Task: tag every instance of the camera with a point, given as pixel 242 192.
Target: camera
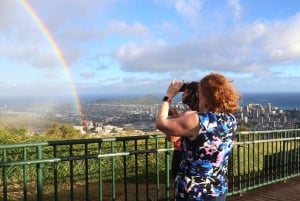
pixel 190 85
pixel 183 87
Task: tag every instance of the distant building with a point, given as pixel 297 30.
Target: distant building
pixel 80 128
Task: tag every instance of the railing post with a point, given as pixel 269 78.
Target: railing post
pixel 4 176
pixel 167 159
pixel 147 171
pixel 39 174
pixel 125 171
pixel 258 158
pixel 71 168
pixel 113 171
pixel 25 175
pixel 55 180
pixel 136 172
pixel 285 157
pixel 157 168
pixel 86 172
pixel 239 166
pixel 100 174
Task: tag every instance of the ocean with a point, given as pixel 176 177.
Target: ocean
pixel 287 101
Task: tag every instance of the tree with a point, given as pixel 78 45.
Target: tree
pixel 62 132
pixel 12 135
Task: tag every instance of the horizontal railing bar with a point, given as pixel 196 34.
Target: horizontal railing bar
pixel 80 141
pixel 109 139
pixel 30 162
pixel 268 131
pixel 73 158
pixel 268 140
pixel 12 146
pixel 114 154
pixel 164 150
pixel 126 138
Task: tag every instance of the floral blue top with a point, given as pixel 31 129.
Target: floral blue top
pixel 202 173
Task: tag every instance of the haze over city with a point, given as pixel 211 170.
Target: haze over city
pixel 67 48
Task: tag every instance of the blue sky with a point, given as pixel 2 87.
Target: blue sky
pixel 128 47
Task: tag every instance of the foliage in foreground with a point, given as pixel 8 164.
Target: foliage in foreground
pixel 10 135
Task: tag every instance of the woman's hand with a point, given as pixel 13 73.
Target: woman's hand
pixel 173 88
pixel 186 126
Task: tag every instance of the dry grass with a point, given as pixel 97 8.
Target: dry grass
pixel 15 192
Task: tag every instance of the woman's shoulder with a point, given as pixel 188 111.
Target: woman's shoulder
pixel 215 115
pixel 189 112
pixel 216 121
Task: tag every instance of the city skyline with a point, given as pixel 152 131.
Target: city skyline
pixel 71 48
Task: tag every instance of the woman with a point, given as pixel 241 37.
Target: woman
pixel 189 98
pixel 207 138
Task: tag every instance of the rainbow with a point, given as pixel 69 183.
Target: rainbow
pixel 56 50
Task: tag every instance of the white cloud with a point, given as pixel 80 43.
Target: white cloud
pixel 250 49
pixel 237 8
pixel 122 28
pixel 88 75
pixel 188 8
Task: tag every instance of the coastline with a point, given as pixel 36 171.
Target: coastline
pixel 285 101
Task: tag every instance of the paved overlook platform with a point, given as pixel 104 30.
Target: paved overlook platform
pixel 281 191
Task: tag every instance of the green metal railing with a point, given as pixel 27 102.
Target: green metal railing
pixel 264 157
pixel 135 167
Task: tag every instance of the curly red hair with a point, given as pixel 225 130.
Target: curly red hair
pixel 221 96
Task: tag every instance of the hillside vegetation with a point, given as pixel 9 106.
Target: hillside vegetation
pixel 12 135
pixel 30 123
